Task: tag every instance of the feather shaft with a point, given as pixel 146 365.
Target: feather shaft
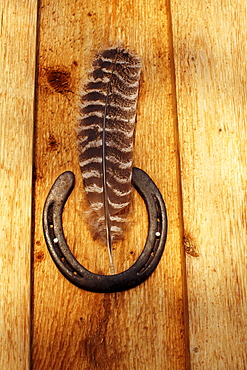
pixel 107 220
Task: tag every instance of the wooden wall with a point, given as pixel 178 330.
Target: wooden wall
pixel 190 138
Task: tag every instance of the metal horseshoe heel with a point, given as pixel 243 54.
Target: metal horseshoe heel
pixel 68 264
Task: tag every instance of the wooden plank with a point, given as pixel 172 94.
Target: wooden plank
pixel 210 61
pixel 17 80
pixel 141 328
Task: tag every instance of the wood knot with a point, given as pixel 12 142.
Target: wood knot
pixel 190 247
pixel 52 143
pixel 59 80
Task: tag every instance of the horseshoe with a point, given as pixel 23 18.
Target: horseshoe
pixel 68 264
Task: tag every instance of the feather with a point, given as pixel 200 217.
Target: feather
pixel 105 140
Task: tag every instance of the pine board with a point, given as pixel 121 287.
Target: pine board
pixel 210 67
pixel 17 80
pixel 142 328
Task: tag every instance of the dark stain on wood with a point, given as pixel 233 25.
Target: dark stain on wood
pixel 39 256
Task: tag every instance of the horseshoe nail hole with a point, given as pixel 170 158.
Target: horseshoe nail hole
pixel 51 226
pixel 74 273
pixel 55 240
pixel 157 234
pixel 62 259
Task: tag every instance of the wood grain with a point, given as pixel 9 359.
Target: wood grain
pixel 210 64
pixel 141 328
pixel 17 79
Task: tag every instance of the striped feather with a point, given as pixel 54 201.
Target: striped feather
pixel 105 140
